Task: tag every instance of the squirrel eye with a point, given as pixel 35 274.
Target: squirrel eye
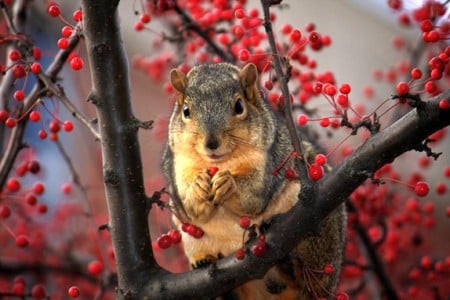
pixel 186 112
pixel 238 107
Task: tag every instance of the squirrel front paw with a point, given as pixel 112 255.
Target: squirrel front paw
pixel 223 187
pixel 197 202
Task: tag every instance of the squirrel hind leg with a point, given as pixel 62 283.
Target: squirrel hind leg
pixel 202 260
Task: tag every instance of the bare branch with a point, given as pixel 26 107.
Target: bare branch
pixel 16 136
pixel 284 75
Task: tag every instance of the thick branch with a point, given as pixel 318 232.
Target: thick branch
pixel 122 166
pixel 306 216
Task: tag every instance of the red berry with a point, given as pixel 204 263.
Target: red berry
pixel 5 211
pixel 310 27
pixel 77 15
pixel 426 262
pixel 36 68
pixel 3 116
pixel 38 188
pixel 38 292
pixel 66 31
pixel 68 126
pixel 430 87
pixel 73 292
pixel 426 25
pixel 42 134
pixel 314 37
pixel 66 188
pixel 239 254
pixel 238 31
pixel 35 116
pixel 342 296
pixel 402 88
pixel 19 71
pixel 315 172
pixel 95 267
pixel 164 241
pixel 33 166
pixel 11 122
pixel 444 104
pixel 259 248
pixel 290 174
pixel 421 188
pixel 184 227
pixel 13 184
pixel 22 169
pixel 239 13
pixel 212 171
pixel 37 53
pixel 244 222
pixel 345 88
pixel 342 100
pixel 14 55
pixel 31 199
pixel 53 10
pixel 416 73
pixel 244 55
pixel 175 236
pixel 62 43
pixel 42 208
pixel 324 122
pixel 329 89
pixel 268 85
pixel 395 4
pixel 441 188
pixel 320 159
pixel 145 18
pixel 302 119
pixel 76 63
pixel 138 26
pixel 295 35
pixel 54 126
pixel 197 232
pixel 328 269
pixel 19 95
pixel 22 241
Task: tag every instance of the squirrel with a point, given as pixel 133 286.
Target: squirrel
pixel 221 119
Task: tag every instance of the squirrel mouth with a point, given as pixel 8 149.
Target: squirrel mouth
pixel 215 156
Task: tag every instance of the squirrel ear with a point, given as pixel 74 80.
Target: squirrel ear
pixel 247 77
pixel 178 81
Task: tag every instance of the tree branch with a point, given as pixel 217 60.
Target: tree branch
pixel 122 165
pixel 284 79
pixel 15 139
pixel 306 216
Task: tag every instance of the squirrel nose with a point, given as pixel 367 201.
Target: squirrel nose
pixel 212 143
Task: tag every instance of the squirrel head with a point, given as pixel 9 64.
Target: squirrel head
pixel 218 109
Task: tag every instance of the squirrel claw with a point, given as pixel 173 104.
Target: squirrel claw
pixel 223 187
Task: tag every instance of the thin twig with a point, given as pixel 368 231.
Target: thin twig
pixel 284 79
pixel 192 25
pixel 76 113
pixel 375 260
pixel 16 136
